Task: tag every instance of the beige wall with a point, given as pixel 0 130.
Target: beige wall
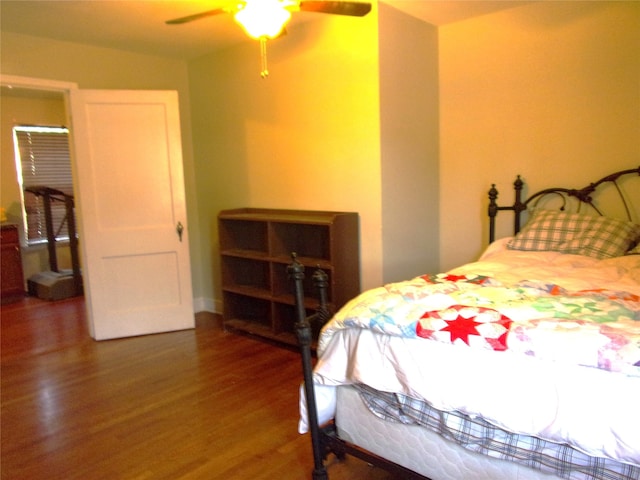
pixel 409 145
pixel 17 110
pixel 347 120
pixel 550 91
pixel 305 138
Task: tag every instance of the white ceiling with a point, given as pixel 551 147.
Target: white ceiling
pixel 139 26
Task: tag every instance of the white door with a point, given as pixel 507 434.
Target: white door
pixel 130 199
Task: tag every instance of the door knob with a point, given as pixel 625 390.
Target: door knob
pixel 179 229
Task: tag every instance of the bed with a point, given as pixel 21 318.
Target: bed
pixel 522 365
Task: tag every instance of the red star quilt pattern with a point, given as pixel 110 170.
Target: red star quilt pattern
pixel 477 326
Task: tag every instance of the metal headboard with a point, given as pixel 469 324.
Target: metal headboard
pixel 583 195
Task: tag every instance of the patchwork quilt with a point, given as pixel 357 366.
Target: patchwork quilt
pixel 594 327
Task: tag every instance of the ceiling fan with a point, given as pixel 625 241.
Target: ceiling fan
pixel 266 19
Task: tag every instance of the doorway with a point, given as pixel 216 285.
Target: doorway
pixel 39 104
pixel 131 206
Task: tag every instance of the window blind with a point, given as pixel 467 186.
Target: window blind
pixel 42 156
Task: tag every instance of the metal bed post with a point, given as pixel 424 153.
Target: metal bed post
pixel 303 329
pixel 518 207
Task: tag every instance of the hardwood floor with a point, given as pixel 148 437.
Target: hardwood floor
pixel 196 404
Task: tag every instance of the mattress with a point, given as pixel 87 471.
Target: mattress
pixel 480 437
pixel 429 453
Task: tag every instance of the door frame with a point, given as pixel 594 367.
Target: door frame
pixel 30 83
pixel 63 88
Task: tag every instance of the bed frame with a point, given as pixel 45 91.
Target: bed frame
pixel 584 196
pixel 325 440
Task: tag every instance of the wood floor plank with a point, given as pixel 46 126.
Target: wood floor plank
pixel 195 404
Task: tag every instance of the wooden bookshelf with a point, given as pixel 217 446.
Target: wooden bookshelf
pixel 255 248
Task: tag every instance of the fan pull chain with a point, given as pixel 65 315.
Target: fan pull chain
pixel 263 57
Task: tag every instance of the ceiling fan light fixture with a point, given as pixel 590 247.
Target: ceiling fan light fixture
pixel 262 18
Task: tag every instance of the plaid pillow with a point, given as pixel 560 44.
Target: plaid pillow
pixel 558 231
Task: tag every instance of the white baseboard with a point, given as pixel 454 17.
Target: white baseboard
pixel 202 304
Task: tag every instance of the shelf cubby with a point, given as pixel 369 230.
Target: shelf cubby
pixel 244 237
pixel 238 272
pixel 247 309
pixel 309 241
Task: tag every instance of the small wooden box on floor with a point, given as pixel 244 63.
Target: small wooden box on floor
pixel 255 248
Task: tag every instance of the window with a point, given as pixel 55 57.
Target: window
pixel 42 161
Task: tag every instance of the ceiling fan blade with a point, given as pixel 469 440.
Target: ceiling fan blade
pixel 354 9
pixel 197 16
